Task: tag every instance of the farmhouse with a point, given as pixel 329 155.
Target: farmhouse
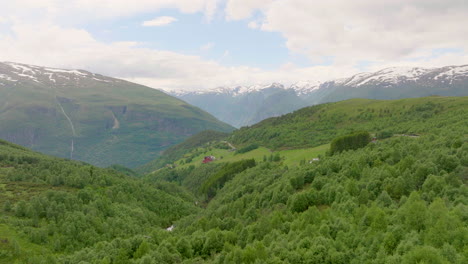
pixel 208 159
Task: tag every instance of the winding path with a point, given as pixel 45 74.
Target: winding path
pixel 229 144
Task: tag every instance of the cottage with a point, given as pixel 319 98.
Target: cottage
pixel 208 159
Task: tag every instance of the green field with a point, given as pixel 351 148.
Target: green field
pixel 289 157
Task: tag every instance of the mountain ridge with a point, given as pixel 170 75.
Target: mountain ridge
pixel 389 74
pixel 252 104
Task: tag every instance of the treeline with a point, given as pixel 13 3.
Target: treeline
pixel 247 148
pixel 350 142
pixel 226 173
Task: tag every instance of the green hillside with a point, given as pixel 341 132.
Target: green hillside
pixel 317 125
pixel 399 199
pixel 106 120
pixel 52 206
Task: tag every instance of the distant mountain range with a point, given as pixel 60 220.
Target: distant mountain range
pixel 90 117
pixel 247 105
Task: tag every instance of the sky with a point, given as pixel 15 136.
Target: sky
pixel 204 44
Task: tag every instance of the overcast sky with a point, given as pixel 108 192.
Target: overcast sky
pixel 201 44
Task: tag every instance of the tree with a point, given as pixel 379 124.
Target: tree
pixel 142 250
pixel 423 254
pixel 184 248
pixel 414 212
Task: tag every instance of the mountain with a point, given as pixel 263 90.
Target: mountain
pixel 91 117
pixel 395 83
pixel 252 104
pixel 245 105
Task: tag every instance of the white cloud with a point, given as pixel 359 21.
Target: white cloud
pixel 386 33
pixel 253 24
pixel 225 55
pixel 207 46
pixel 159 21
pixel 74 12
pixel 361 30
pixel 241 9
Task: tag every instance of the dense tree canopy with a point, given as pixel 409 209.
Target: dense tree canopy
pixel 402 199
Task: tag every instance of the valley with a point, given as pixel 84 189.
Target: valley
pixel 233 132
pixel 397 198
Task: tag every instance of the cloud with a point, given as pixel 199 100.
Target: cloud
pixel 75 12
pixel 242 9
pixel 253 24
pixel 380 33
pixel 360 30
pixel 159 21
pixel 55 46
pixel 207 46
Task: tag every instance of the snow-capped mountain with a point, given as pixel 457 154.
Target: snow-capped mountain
pixel 254 103
pixel 243 105
pixel 305 87
pixel 397 75
pixel 395 83
pixel 86 116
pixel 233 91
pixel 16 73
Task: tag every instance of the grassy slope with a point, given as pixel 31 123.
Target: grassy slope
pixel 290 157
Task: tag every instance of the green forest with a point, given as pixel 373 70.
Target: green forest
pixel 390 188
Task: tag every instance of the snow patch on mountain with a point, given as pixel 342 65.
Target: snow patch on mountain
pixel 17 72
pixel 386 78
pixel 305 87
pixel 28 76
pixel 453 72
pixel 8 78
pixel 233 91
pixel 391 75
pixel 66 71
pixel 21 67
